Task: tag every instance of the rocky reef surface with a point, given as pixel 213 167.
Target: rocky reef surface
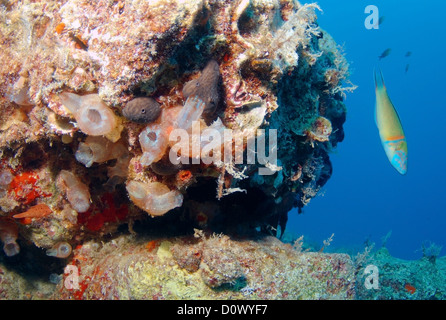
pixel 214 267
pixel 90 95
pixel 398 279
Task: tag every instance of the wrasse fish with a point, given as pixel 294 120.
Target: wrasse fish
pixel 389 127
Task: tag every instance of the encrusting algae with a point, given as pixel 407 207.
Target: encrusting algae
pixel 93 94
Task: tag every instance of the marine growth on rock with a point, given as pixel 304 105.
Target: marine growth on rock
pixel 96 98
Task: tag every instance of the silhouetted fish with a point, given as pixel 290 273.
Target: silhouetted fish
pixel 380 21
pixel 408 54
pixel 385 53
pixel 407 67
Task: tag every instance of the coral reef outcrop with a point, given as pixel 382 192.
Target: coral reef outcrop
pixel 93 92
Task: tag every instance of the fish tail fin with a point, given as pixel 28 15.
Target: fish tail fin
pixel 379 80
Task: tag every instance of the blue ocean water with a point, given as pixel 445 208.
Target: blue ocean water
pixel 366 198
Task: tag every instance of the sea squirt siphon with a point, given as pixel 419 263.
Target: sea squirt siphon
pixel 92 115
pixel 60 250
pixel 9 232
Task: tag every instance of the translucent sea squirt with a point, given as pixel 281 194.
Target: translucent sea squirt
pixel 8 235
pixel 98 150
pixel 192 111
pixel 77 192
pixel 92 115
pixel 60 250
pixel 154 197
pixel 153 140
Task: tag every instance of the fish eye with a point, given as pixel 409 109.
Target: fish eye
pixel 197 84
pixel 143 110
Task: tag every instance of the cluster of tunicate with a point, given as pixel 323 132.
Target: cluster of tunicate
pixel 154 197
pixel 92 115
pixel 154 139
pixel 60 250
pixel 98 150
pixel 8 235
pixel 77 192
pixel 201 95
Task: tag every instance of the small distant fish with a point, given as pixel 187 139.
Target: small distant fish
pixel 381 20
pixel 408 54
pixel 385 53
pixel 389 127
pixel 407 68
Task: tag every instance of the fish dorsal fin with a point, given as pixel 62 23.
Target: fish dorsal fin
pixel 377 82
